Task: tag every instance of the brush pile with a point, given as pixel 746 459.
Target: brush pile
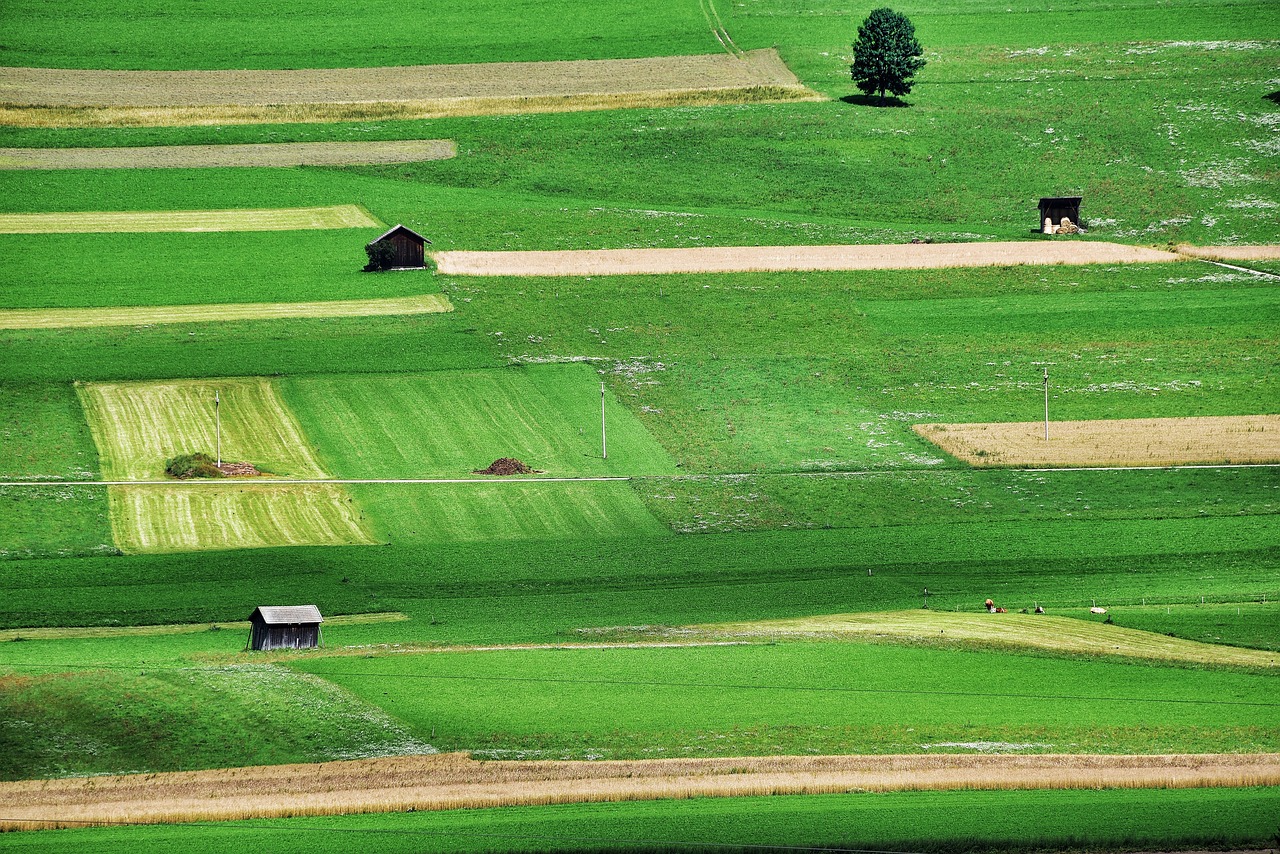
pixel 504 466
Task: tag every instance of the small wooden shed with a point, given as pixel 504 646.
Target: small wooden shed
pixel 1055 208
pixel 410 248
pixel 285 627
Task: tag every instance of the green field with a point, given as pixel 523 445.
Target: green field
pixel 764 420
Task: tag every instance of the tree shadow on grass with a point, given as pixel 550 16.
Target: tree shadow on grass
pixel 1274 98
pixel 874 101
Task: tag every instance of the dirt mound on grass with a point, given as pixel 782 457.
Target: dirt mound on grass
pixel 240 470
pixel 507 466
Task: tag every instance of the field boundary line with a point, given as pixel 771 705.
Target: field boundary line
pixel 66 318
pixel 456 781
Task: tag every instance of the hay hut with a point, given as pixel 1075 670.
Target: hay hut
pixel 285 627
pixel 1056 208
pixel 409 246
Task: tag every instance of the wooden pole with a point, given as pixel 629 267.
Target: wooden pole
pixel 604 443
pixel 217 423
pixel 1046 404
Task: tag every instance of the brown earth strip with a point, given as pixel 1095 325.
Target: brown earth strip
pixel 70 97
pixel 147 315
pixel 1239 439
pixel 453 781
pixel 217 156
pixel 746 259
pixel 1232 253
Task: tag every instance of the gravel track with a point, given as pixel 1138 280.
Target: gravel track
pixel 745 259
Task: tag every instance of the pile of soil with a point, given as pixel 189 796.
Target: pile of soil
pixel 507 466
pixel 239 470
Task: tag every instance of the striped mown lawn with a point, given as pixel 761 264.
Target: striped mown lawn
pixel 139 425
pixel 269 219
pixel 450 423
pixel 230 515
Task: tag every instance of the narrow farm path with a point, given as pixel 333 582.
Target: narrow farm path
pixel 454 781
pixel 147 315
pixel 748 259
pixel 1012 631
pixel 53 97
pixel 277 154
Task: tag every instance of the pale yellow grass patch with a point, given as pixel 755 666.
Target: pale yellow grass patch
pixel 145 315
pixel 747 259
pixel 452 781
pixel 68 97
pixel 274 219
pixel 83 632
pixel 233 515
pixel 1233 253
pixel 137 426
pixel 1034 631
pixel 1237 439
pixel 256 154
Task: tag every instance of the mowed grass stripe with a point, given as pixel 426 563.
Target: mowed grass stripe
pixel 67 318
pixel 139 425
pixel 233 516
pixel 1113 442
pixel 1036 631
pixel 265 219
pixel 509 510
pixel 269 155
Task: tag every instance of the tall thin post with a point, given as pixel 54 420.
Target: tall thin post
pixel 604 443
pixel 1046 404
pixel 217 423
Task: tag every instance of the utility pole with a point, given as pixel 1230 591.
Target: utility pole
pixel 604 443
pixel 1046 404
pixel 217 423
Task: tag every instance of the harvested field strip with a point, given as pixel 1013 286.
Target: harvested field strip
pixel 80 632
pixel 53 87
pixel 1014 631
pixel 139 425
pixel 225 156
pixel 113 222
pixel 440 108
pixel 453 781
pixel 62 318
pixel 748 259
pixel 1235 439
pixel 1233 253
pixel 234 516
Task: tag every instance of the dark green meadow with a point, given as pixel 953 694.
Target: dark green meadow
pixel 764 420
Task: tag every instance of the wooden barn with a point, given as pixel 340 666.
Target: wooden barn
pixel 409 246
pixel 1054 210
pixel 285 627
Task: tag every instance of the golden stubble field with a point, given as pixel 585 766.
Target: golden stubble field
pixel 262 219
pixel 453 781
pixel 50 97
pixel 1236 439
pixel 750 259
pixel 267 154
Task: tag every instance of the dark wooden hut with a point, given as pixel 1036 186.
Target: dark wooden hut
pixel 285 627
pixel 410 248
pixel 1054 209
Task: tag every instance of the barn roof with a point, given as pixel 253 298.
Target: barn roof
pixel 1058 200
pixel 274 615
pixel 398 227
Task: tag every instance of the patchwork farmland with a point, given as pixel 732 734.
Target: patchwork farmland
pixel 773 357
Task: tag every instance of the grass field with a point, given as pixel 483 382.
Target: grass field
pixel 233 516
pixel 232 156
pixel 64 318
pixel 138 426
pixel 1238 440
pixel 448 424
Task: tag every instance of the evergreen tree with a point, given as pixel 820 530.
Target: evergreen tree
pixel 886 54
